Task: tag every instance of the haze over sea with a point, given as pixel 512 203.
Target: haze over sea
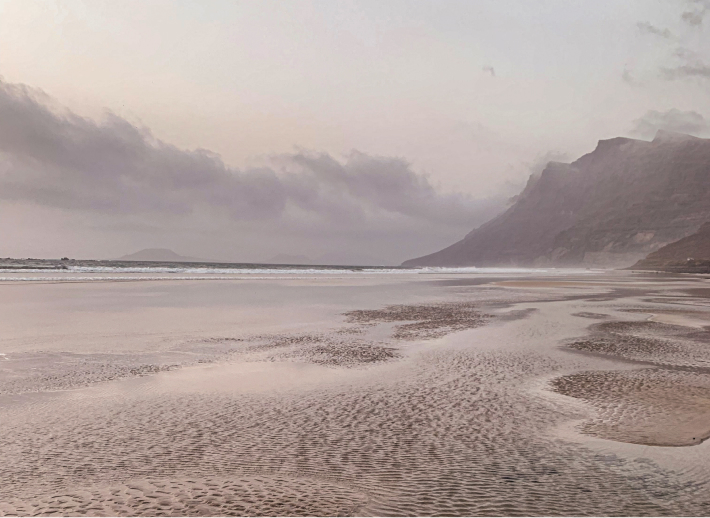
pixel 71 270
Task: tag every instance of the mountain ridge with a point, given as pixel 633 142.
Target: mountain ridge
pixel 609 208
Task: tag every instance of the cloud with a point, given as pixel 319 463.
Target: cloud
pixel 628 78
pixel 678 55
pixel 697 70
pixel 696 12
pixel 490 70
pixel 55 158
pixel 689 122
pixel 693 17
pixel 691 66
pixel 647 28
pixel 537 166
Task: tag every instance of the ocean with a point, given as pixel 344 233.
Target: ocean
pixel 73 270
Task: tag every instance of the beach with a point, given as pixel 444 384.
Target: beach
pixel 349 392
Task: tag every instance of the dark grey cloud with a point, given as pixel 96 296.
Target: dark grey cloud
pixel 679 55
pixel 691 66
pixel 56 158
pixel 61 159
pixel 689 122
pixel 696 70
pixel 692 17
pixel 695 13
pixel 647 28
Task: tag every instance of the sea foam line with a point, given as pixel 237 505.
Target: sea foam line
pixel 297 271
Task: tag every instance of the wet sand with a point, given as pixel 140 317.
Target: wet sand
pixel 370 395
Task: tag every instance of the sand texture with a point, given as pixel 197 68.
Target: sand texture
pixel 396 395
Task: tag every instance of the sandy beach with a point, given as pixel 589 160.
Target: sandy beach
pixel 563 392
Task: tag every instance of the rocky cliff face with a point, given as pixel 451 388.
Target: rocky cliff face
pixel 609 208
pixel 690 254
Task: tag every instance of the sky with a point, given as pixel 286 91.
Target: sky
pixel 346 131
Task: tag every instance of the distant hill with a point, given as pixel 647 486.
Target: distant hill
pixel 163 255
pixel 609 208
pixel 690 254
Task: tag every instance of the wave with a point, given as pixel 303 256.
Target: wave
pixel 157 273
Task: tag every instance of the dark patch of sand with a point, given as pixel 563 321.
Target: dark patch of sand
pixel 650 406
pixel 41 372
pixel 321 349
pixel 701 293
pixel 593 316
pixel 425 321
pixel 653 342
pixel 668 405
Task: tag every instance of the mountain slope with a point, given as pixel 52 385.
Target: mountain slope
pixel 685 254
pixel 610 208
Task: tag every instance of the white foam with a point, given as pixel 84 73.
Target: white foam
pixel 298 271
pixel 79 274
pixel 72 278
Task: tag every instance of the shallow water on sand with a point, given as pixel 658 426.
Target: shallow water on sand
pixel 389 396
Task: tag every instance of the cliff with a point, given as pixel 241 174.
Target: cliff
pixel 609 208
pixel 690 254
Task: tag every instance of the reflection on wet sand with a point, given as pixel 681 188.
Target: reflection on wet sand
pixel 399 397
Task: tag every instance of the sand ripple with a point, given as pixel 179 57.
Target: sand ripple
pixel 240 496
pixel 668 405
pixel 648 406
pixel 425 321
pixel 448 429
pixel 652 342
pixel 453 436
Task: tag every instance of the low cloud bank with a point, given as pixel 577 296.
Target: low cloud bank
pixel 55 158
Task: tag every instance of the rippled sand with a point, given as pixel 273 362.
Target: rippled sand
pixel 415 395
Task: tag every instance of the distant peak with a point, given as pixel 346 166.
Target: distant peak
pixel 672 136
pixel 162 250
pixel 554 168
pixel 610 145
pixel 158 254
pixel 617 141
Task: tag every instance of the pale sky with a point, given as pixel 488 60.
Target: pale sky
pixel 375 130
